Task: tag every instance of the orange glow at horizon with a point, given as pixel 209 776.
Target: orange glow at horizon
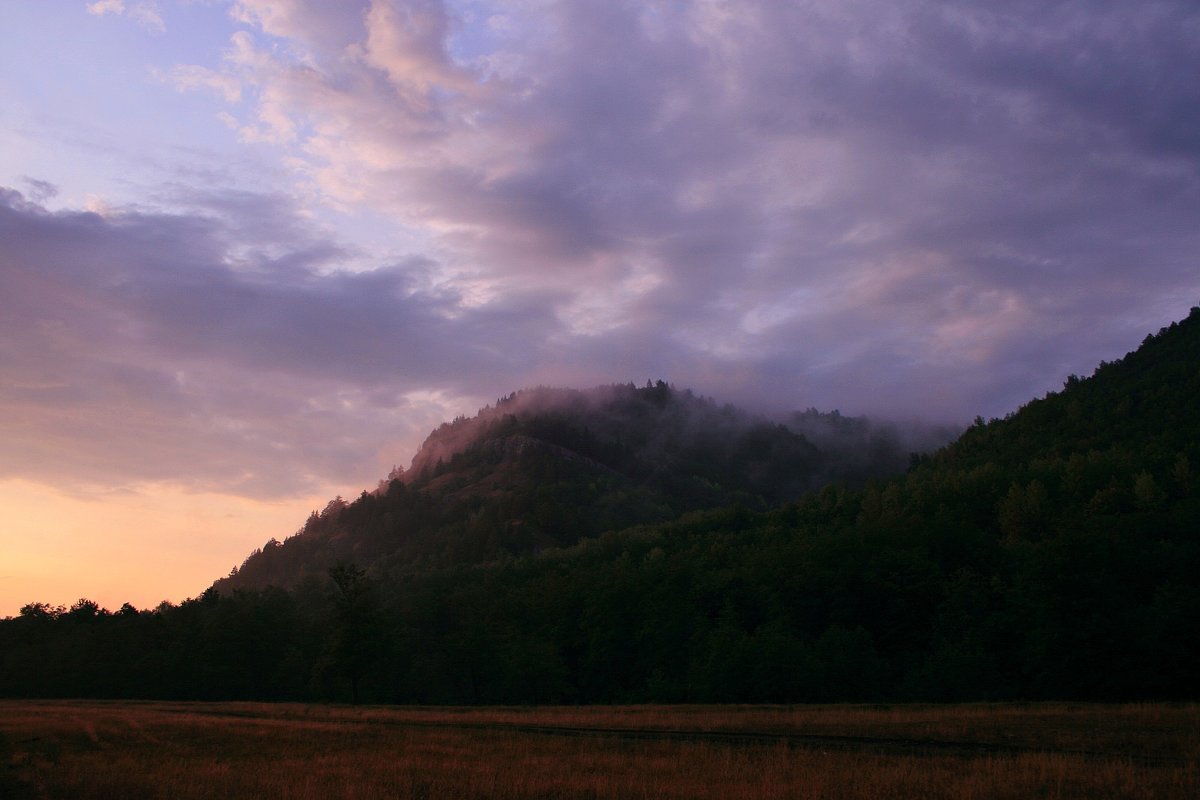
pixel 139 546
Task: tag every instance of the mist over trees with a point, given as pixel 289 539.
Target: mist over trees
pixel 546 468
pixel 575 548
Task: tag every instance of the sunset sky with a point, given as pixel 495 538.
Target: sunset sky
pixel 252 251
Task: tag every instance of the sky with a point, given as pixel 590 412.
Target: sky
pixel 253 251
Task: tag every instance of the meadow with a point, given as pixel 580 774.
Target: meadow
pixel 96 749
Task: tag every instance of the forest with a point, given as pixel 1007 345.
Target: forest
pixel 647 545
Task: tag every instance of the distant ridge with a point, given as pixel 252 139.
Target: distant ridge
pixel 547 467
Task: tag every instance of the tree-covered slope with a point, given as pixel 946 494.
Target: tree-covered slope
pixel 550 467
pixel 1143 405
pixel 1053 554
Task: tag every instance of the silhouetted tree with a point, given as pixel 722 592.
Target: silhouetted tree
pixel 356 641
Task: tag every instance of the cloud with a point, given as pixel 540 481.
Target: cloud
pixel 146 346
pixel 904 208
pixel 191 76
pixel 145 13
pixel 407 40
pixel 102 7
pixel 40 190
pixel 312 24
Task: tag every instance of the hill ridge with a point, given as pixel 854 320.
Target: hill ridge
pixel 563 464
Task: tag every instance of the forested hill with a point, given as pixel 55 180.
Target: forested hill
pixel 549 467
pixel 1054 554
pixel 1143 407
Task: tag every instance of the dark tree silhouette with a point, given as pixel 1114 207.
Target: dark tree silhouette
pixel 357 633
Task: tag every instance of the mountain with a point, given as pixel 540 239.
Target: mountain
pixel 645 545
pixel 549 467
pixel 1054 553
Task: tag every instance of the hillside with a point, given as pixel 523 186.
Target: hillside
pixel 550 467
pixel 1053 554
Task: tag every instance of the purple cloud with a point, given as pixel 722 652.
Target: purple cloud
pixel 136 351
pixel 909 209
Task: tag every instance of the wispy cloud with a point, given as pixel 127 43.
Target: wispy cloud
pixel 145 12
pixel 102 7
pixel 191 76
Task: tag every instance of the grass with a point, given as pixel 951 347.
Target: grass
pixel 78 749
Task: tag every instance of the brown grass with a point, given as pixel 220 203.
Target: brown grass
pixel 182 750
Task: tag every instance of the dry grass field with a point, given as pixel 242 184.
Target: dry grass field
pixel 85 750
